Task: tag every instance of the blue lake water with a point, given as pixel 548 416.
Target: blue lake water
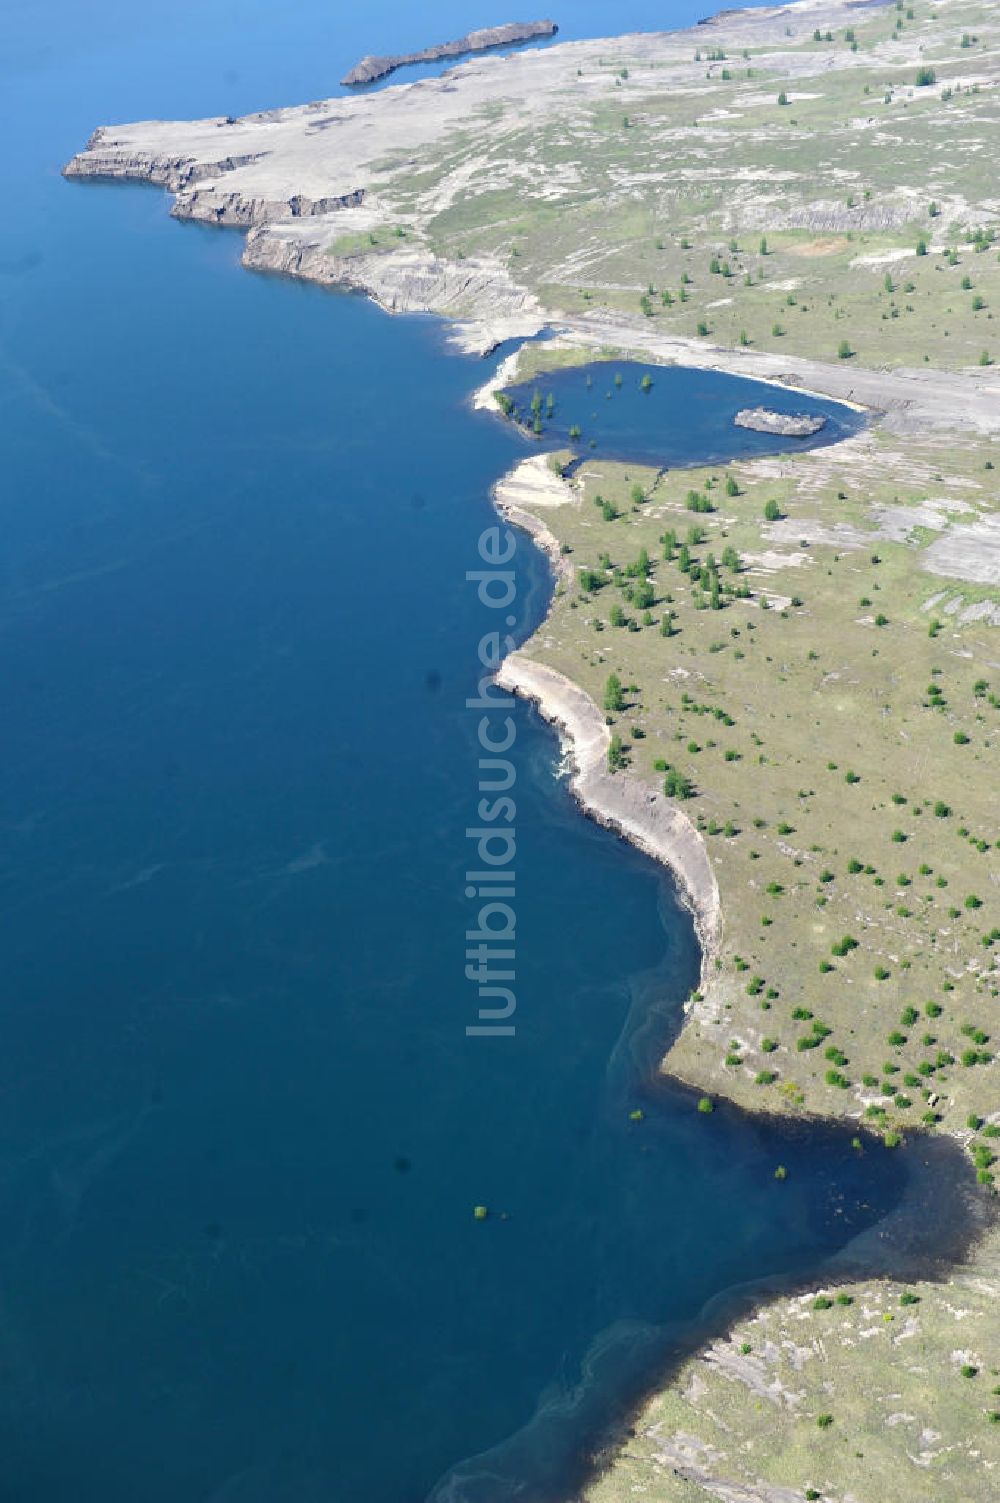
pixel 604 410
pixel 242 1129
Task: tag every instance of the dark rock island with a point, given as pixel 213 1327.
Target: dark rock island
pixel 371 68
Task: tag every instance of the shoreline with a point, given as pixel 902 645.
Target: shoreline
pixel 644 817
pixel 909 401
pixel 532 483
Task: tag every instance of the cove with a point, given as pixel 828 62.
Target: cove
pixel 241 1128
pixel 665 415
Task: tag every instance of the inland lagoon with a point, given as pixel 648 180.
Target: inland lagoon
pixel 663 415
pixel 243 1129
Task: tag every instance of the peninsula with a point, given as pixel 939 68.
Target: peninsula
pixel 782 674
pixel 512 34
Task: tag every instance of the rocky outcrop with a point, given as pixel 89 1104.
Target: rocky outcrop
pixel 787 424
pixel 477 295
pixel 372 68
pixel 214 207
pixel 106 157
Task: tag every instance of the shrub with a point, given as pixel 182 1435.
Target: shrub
pixel 844 946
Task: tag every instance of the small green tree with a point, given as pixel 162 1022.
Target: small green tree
pixel 614 694
pixel 772 511
pixel 676 785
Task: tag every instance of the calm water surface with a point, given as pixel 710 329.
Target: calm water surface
pixel 241 1127
pixel 605 409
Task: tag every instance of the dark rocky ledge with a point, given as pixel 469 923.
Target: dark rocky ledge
pixel 371 68
pixel 788 424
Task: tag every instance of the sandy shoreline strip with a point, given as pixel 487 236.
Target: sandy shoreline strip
pixel 648 819
pixel 531 484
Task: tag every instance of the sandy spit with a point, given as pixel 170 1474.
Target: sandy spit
pixel 530 484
